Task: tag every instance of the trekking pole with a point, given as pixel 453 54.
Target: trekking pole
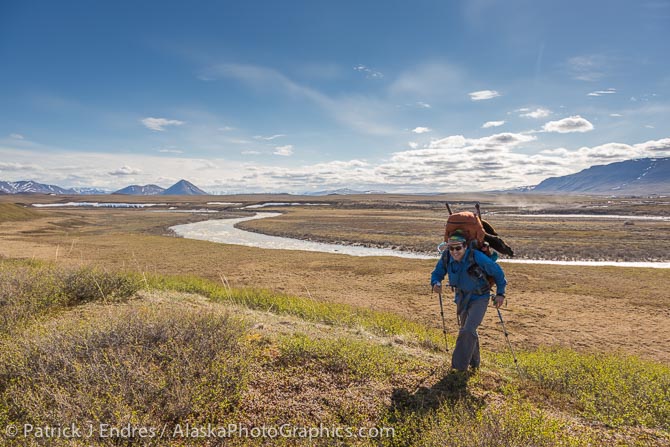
pixel 448 207
pixel 444 324
pixel 508 342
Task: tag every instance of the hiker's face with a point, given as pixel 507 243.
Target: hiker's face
pixel 457 251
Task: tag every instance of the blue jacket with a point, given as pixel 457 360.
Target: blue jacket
pixel 467 283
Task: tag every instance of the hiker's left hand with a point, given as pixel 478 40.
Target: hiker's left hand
pixel 498 301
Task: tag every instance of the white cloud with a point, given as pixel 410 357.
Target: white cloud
pixel 420 130
pixel 15 166
pixel 16 136
pixel 649 126
pixel 568 125
pixel 609 91
pixel 170 151
pixel 654 147
pixel 423 105
pixel 453 163
pixel 369 73
pixel 270 138
pixel 125 170
pixel 489 124
pixel 537 113
pixel 482 95
pixel 616 115
pixel 226 128
pixel 285 151
pixel 159 124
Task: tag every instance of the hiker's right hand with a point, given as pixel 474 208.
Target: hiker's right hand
pixel 437 288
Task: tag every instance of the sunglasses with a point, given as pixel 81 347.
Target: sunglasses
pixel 456 248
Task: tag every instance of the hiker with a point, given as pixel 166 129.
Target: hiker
pixel 467 269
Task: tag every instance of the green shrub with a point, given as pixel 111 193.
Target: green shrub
pixel 614 389
pixel 27 290
pixel 91 284
pixel 468 423
pixel 144 366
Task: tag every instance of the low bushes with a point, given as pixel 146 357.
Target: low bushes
pixel 29 289
pixel 138 365
pixel 615 389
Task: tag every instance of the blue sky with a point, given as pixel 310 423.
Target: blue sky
pixel 299 96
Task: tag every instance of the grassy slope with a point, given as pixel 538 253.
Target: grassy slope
pixel 80 345
pixel 10 212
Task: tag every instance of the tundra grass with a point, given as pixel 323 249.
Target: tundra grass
pixel 142 364
pixel 381 323
pixel 614 389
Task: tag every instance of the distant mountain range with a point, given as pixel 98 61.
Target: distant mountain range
pixel 641 176
pixel 631 177
pixel 181 188
pixel 30 187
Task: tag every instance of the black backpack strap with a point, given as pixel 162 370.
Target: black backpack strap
pixel 476 272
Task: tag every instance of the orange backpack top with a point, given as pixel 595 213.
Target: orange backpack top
pixel 469 224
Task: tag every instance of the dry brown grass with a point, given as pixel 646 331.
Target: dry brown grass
pixel 588 308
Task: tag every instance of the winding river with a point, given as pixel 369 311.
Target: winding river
pixel 224 231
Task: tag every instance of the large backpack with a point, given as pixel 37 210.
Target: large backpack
pixel 469 224
pixel 475 229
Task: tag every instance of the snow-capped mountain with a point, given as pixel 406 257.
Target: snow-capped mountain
pixel 639 176
pixel 30 187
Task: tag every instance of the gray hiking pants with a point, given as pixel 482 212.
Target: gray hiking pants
pixel 466 351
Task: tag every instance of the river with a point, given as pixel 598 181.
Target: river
pixel 224 231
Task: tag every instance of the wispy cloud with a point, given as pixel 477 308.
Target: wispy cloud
pixel 489 124
pixel 423 105
pixel 159 124
pixel 588 68
pixel 125 170
pixel 16 136
pixel 437 81
pixel 362 113
pixel 170 151
pixel 369 73
pixel 482 95
pixel 285 151
pixel 616 115
pixel 537 113
pixel 609 91
pixel 568 125
pixel 270 138
pixel 420 130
